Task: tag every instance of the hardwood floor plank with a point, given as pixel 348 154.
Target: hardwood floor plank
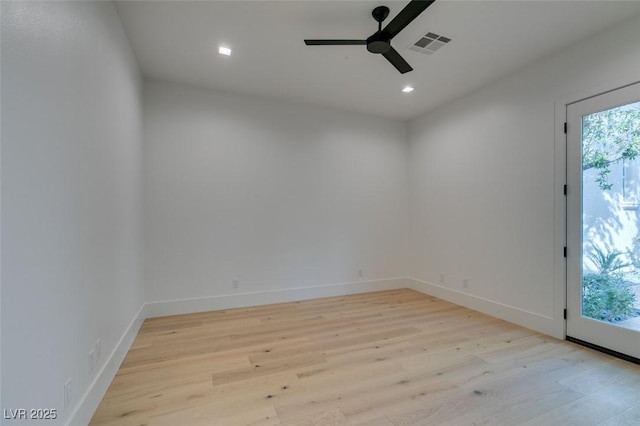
pixel 333 417
pixel 215 415
pixel 522 401
pixel 399 398
pixel 609 401
pixel 267 368
pixel 380 421
pixel 630 417
pixel 587 411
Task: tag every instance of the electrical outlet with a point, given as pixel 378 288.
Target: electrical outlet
pixel 465 283
pixel 67 393
pixel 441 277
pixel 92 360
pixel 360 273
pixel 235 283
pixel 98 349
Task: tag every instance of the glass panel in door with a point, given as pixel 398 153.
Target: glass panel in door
pixel 611 215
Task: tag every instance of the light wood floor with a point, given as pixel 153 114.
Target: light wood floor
pixel 383 359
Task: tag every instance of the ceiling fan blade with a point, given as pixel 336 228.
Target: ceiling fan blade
pixel 334 42
pixel 397 61
pixel 406 15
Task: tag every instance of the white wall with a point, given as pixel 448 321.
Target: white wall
pixel 483 201
pixel 71 131
pixel 275 195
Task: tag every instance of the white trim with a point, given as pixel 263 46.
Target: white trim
pixel 531 320
pixel 228 301
pixel 92 397
pixel 560 220
pixel 89 402
pixel 602 333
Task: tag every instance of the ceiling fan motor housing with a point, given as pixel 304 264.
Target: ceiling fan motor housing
pixel 380 42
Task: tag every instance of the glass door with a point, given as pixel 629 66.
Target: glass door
pixel 603 221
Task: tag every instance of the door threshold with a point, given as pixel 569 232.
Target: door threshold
pixel 604 350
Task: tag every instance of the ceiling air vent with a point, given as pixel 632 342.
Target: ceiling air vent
pixel 429 43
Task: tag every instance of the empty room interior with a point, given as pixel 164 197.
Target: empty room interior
pixel 290 213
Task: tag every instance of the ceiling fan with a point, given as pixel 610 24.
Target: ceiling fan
pixel 380 41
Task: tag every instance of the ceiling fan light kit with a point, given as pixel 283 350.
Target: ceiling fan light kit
pixel 380 41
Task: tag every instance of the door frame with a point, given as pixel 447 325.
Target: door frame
pixel 560 282
pixel 617 340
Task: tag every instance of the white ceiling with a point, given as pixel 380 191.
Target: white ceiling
pixel 177 41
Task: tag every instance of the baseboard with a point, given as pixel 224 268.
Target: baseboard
pixel 92 397
pixel 204 304
pixel 531 320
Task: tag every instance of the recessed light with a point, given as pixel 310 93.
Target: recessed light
pixel 407 89
pixel 224 51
